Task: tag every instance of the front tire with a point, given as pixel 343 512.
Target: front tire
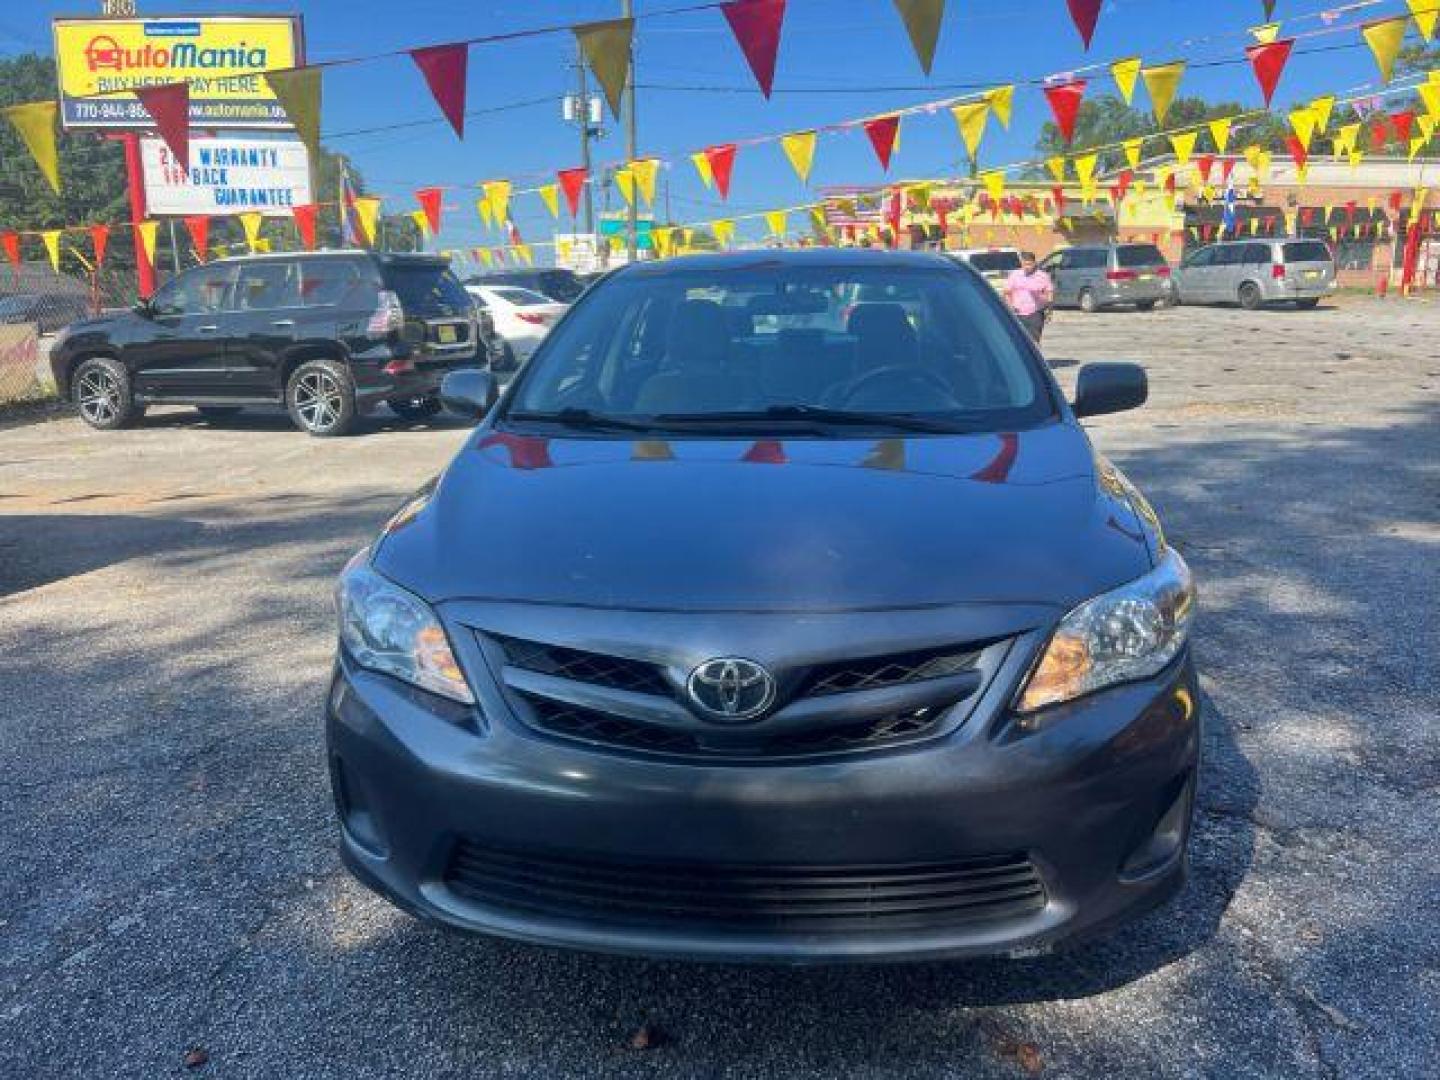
pixel 321 399
pixel 1087 302
pixel 101 392
pixel 416 409
pixel 1249 296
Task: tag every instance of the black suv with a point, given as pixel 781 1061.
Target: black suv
pixel 329 335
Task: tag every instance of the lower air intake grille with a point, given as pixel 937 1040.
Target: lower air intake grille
pixel 748 898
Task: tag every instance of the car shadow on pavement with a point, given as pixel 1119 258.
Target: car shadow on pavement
pixel 38 549
pixel 266 418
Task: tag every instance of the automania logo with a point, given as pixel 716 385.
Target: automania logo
pixel 104 53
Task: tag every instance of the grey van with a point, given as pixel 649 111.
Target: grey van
pixel 1092 277
pixel 1253 273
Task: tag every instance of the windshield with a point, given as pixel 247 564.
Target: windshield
pixel 1129 255
pixel 775 344
pixel 427 289
pixel 522 297
pixel 995 262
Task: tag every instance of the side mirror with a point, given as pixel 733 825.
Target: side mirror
pixel 469 392
pixel 144 308
pixel 1108 388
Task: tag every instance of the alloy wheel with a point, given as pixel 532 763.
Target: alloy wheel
pixel 318 400
pixel 99 396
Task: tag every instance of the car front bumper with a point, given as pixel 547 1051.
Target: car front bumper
pixel 1097 798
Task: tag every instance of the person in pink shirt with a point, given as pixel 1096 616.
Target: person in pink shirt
pixel 1030 292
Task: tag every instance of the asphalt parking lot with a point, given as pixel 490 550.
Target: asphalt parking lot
pixel 168 877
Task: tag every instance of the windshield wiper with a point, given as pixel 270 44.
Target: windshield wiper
pixel 814 414
pixel 583 418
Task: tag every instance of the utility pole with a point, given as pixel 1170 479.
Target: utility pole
pixel 587 132
pixel 627 9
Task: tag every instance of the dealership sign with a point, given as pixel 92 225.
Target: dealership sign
pixel 221 58
pixel 227 176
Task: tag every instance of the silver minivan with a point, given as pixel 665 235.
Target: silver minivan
pixel 1092 277
pixel 1253 273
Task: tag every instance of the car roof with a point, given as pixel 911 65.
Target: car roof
pixel 837 258
pixel 414 258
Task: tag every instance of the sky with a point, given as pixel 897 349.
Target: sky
pixel 839 59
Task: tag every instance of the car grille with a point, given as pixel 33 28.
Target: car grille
pixel 747 898
pixel 556 711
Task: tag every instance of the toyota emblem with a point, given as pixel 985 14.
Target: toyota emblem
pixel 731 688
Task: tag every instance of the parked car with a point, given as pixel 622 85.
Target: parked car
pixel 521 317
pixel 328 335
pixel 1092 277
pixel 557 283
pixel 805 645
pixel 993 264
pixel 48 311
pixel 1253 273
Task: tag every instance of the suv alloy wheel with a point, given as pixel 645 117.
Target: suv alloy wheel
pixel 321 398
pixel 101 393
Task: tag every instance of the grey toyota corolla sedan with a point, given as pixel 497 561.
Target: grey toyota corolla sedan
pixel 781 610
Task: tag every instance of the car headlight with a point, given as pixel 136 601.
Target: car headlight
pixel 1120 636
pixel 388 629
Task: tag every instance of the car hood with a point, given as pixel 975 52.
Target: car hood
pixel 770 524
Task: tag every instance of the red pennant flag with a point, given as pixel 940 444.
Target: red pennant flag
pixel 444 69
pixel 756 26
pixel 169 107
pixel 942 215
pixel 1086 14
pixel 1396 198
pixel 1349 211
pixel 882 131
pixel 1269 59
pixel 1403 122
pixel 765 452
pixel 1205 163
pixel 198 226
pixel 429 200
pixel 572 182
pixel 11 242
pixel 1123 182
pixel 1379 134
pixel 1307 215
pixel 1058 194
pixel 305 216
pixel 99 238
pixel 894 211
pixel 1227 166
pixel 1297 151
pixel 722 162
pixel 1064 101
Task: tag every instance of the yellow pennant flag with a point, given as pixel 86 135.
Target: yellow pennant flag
pixel 1385 38
pixel 1302 122
pixel 702 166
pixel 526 255
pixel 1133 148
pixel 1265 33
pixel 799 147
pixel 422 223
pixel 1220 132
pixel 35 123
pixel 1427 126
pixel 644 172
pixel 1252 155
pixel 606 46
pixel 52 245
pixel 777 220
pixel 251 221
pixel 1001 101
pixel 1262 166
pixel 1425 12
pixel 1183 143
pixel 1162 81
pixel 497 194
pixel 298 91
pixel 145 233
pixel 1430 95
pixel 1085 167
pixel 724 231
pixel 550 195
pixel 487 215
pixel 922 23
pixel 994 182
pixel 486 256
pixel 367 210
pixel 1345 137
pixel 1417 143
pixel 625 181
pixel 1125 72
pixel 1322 107
pixel 1056 165
pixel 970 118
pixel 662 238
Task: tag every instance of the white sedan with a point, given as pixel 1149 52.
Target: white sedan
pixel 522 319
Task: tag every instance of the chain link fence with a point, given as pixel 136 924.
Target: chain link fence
pixel 36 303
